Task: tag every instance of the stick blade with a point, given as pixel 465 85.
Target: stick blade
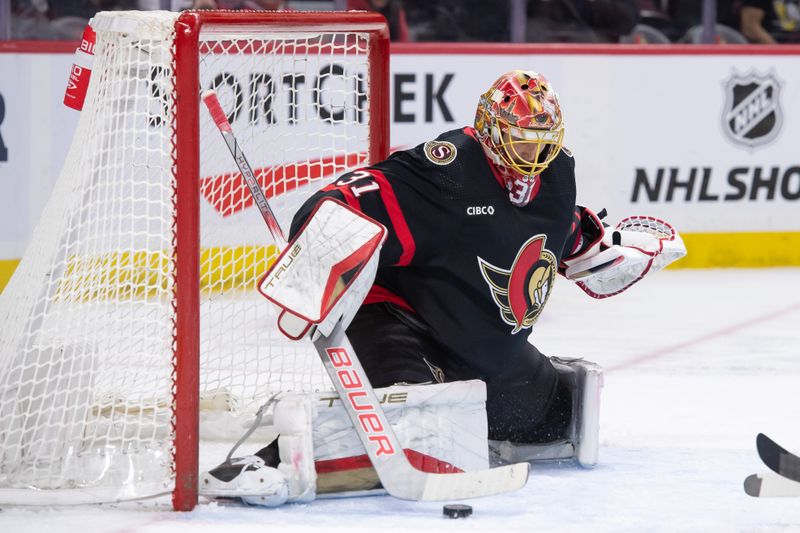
pixel 769 451
pixel 771 485
pixel 777 458
pixel 465 485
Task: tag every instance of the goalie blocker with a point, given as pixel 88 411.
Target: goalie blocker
pixel 338 249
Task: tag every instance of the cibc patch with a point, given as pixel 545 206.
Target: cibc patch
pixel 440 152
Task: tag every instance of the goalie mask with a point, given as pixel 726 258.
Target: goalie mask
pixel 519 124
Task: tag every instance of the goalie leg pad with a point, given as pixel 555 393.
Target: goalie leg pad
pixel 442 428
pixel 585 380
pixel 293 479
pixel 588 380
pixel 294 417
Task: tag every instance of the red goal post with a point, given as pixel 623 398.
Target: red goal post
pixel 188 28
pixel 131 332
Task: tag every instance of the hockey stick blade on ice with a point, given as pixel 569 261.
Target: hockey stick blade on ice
pixel 778 459
pixel 397 475
pixel 770 485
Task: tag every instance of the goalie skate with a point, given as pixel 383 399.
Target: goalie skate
pixel 280 472
pixel 248 478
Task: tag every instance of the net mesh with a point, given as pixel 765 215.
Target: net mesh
pixel 87 323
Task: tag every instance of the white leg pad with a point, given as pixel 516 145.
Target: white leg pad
pixel 294 479
pixel 442 421
pixel 294 417
pixel 583 441
pixel 442 426
pixel 590 384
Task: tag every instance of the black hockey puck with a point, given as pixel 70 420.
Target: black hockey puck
pixel 454 510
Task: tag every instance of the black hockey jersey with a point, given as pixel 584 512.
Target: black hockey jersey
pixel 474 268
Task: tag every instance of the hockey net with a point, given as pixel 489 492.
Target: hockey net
pixel 149 250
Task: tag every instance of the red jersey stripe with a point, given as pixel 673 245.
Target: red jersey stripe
pixel 378 294
pixel 397 218
pixel 349 197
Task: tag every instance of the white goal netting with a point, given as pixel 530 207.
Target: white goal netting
pixel 87 323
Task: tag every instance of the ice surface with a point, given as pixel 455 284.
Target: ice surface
pixel 698 362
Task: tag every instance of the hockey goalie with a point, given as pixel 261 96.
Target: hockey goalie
pixel 438 261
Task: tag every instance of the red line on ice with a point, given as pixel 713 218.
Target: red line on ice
pixel 713 335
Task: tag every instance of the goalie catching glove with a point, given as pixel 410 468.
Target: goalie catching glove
pixel 610 260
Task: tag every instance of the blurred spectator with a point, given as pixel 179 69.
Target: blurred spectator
pixel 85 9
pixel 654 13
pixel 29 20
pixel 645 34
pixel 69 17
pixel 655 26
pixel 580 20
pixel 171 5
pixel 392 10
pixel 458 20
pixel 255 5
pixel 768 22
pixel 687 18
pixel 58 19
pixel 682 20
pixel 685 14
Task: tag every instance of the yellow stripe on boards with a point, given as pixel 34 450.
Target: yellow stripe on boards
pixel 126 275
pixel 740 250
pixel 7 267
pixel 238 268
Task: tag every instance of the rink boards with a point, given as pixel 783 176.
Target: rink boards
pixel 704 137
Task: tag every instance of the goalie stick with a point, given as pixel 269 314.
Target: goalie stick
pixel 397 475
pixel 770 485
pixel 778 459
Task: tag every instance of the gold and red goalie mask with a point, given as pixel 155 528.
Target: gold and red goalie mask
pixel 520 126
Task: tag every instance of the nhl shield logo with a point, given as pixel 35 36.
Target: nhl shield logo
pixel 752 115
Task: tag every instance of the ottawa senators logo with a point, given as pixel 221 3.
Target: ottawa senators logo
pixel 522 291
pixel 440 152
